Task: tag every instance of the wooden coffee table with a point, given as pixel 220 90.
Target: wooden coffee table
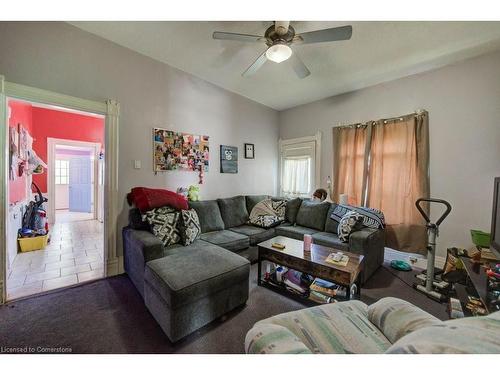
pixel 314 264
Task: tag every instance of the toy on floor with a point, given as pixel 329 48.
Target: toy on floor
pixel 401 265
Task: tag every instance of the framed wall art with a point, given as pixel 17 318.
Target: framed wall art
pixel 249 151
pixel 174 151
pixel 228 159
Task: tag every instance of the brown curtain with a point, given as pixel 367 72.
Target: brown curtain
pixel 349 145
pixel 398 176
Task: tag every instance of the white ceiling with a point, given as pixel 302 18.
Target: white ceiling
pixel 377 52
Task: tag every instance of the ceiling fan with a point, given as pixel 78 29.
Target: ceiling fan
pixel 279 37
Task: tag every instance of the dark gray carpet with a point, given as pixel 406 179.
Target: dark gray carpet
pixel 108 316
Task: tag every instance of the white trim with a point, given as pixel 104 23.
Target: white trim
pixel 317 156
pixel 51 159
pixel 111 110
pixel 4 200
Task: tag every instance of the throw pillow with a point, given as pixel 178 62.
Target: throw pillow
pixel 279 207
pixel 191 228
pixel 268 213
pixel 372 217
pixel 164 223
pixel 350 222
pixel 292 209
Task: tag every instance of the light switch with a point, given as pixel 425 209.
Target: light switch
pixel 137 164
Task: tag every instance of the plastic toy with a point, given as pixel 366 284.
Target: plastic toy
pixel 194 193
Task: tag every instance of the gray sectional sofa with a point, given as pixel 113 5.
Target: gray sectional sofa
pixel 186 287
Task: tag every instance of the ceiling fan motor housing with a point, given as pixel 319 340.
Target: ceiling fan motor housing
pixel 272 36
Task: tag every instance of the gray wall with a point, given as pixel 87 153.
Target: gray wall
pixel 463 101
pixel 64 59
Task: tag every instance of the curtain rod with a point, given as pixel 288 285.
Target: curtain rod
pixel 419 112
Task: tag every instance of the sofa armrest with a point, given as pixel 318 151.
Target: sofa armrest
pixel 273 339
pixel 396 318
pixel 366 239
pixel 149 245
pixel 369 242
pixel 139 247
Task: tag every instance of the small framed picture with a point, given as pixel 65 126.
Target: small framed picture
pixel 249 151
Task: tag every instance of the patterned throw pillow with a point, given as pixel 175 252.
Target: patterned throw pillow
pixel 372 218
pixel 191 228
pixel 279 207
pixel 268 213
pixel 164 223
pixel 350 222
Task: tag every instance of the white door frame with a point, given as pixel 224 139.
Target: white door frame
pixel 51 177
pixel 111 110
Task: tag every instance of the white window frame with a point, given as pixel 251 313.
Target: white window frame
pixel 59 169
pixel 305 142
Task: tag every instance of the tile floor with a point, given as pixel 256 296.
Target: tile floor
pixel 65 216
pixel 74 254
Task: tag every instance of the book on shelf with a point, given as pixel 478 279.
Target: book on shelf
pixel 320 298
pixel 327 288
pixel 290 284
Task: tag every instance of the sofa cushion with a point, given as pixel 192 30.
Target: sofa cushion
pixel 313 214
pixel 372 217
pixel 209 215
pixel 227 239
pixel 291 210
pixel 135 220
pixel 396 318
pixel 252 200
pixel 293 231
pixel 329 239
pixel 164 222
pixel 331 224
pixel 474 335
pixel 200 270
pixel 268 213
pixel 255 234
pixel 350 223
pixel 233 211
pixel 332 328
pixel 190 226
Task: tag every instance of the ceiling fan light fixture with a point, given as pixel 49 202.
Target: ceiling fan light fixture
pixel 278 53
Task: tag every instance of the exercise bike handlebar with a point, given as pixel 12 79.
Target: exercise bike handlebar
pixel 433 200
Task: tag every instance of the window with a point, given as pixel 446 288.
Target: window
pixel 62 172
pixel 297 176
pixel 298 165
pixel 384 164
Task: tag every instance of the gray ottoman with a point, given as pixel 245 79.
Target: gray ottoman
pixel 191 288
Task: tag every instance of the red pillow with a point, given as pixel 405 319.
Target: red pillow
pixel 145 199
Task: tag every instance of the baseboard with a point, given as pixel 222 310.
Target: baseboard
pixel 114 266
pixel 421 262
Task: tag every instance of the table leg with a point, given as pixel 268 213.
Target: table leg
pixel 259 269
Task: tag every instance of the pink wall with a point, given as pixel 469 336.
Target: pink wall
pixel 48 123
pixel 20 113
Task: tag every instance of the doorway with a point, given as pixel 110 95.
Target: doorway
pixel 76 175
pixel 57 240
pixel 109 110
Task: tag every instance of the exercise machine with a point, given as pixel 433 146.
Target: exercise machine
pixel 429 282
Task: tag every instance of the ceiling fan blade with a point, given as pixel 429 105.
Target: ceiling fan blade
pixel 326 35
pixel 298 66
pixel 257 64
pixel 238 37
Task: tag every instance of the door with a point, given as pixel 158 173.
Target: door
pixel 80 185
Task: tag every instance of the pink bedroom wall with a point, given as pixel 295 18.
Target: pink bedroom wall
pixel 49 123
pixel 20 113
